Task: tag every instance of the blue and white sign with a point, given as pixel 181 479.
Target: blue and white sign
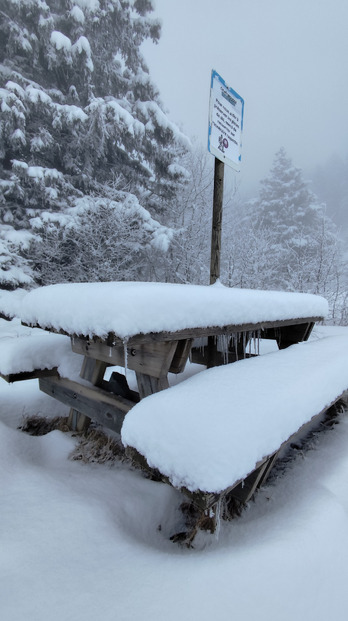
pixel 226 111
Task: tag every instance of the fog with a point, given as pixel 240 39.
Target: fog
pixel 288 60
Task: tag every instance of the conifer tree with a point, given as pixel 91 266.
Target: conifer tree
pixel 79 114
pixel 286 204
pixel 302 242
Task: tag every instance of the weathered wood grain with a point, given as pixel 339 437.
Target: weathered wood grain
pixel 216 227
pixel 181 355
pixel 245 490
pixel 290 335
pixel 148 385
pixel 197 332
pixel 93 370
pixel 28 375
pixel 154 358
pixel 93 402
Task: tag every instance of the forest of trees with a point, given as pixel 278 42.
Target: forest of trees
pixel 96 183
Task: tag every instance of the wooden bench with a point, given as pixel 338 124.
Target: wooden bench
pixel 218 434
pixel 35 354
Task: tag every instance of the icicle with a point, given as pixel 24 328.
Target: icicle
pixel 254 348
pixel 231 342
pixel 235 339
pixel 254 343
pixel 125 353
pixel 200 344
pixel 244 343
pixel 219 346
pixel 222 346
pixel 218 511
pixel 203 344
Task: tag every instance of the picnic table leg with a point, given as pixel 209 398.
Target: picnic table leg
pixel 170 357
pixel 148 385
pixel 290 335
pixel 92 371
pixel 244 491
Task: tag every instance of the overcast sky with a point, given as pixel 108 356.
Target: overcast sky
pixel 288 59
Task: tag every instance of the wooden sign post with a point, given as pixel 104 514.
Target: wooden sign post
pixel 226 110
pixel 217 221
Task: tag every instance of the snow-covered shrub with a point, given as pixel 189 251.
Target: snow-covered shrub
pixel 97 240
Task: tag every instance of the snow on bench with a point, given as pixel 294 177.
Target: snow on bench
pixel 209 433
pixel 10 302
pixel 27 353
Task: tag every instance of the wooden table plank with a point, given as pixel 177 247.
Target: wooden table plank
pixel 95 403
pixel 28 375
pixel 111 339
pixel 152 358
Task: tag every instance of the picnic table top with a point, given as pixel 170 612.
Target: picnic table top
pixel 127 309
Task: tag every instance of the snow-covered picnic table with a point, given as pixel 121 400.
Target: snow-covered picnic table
pixel 130 309
pixel 152 329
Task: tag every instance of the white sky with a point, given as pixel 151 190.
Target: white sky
pixel 288 60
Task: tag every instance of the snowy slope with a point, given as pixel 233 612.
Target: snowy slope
pixel 81 541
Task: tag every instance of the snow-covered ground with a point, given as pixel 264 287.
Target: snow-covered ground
pixel 82 541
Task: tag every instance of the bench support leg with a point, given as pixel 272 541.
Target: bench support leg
pixel 148 385
pixel 92 371
pixel 77 421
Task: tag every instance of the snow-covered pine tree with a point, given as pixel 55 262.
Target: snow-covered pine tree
pixel 304 245
pixel 286 204
pixel 14 270
pixel 79 114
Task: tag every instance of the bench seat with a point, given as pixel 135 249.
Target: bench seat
pixel 10 303
pixel 33 353
pixel 209 433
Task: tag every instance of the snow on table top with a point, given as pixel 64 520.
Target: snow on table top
pixel 210 431
pixel 130 308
